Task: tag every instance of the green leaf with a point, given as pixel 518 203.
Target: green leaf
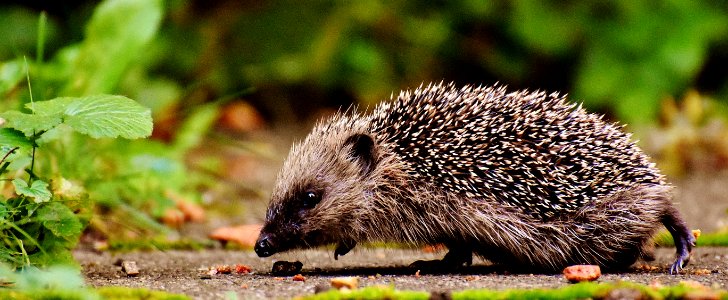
pixel 38 190
pixel 116 35
pixel 100 115
pixel 11 73
pixel 13 138
pixel 3 211
pixel 30 124
pixel 59 219
pixel 194 128
pixel 54 277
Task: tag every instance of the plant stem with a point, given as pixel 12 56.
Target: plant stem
pixel 32 165
pixel 40 42
pixel 32 108
pixel 8 154
pixel 40 50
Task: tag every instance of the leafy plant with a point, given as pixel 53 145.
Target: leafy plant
pixel 125 184
pixel 63 282
pixel 583 290
pixel 40 225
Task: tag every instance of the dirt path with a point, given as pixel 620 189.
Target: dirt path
pixel 180 272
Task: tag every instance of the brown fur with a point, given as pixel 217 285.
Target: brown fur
pixel 368 194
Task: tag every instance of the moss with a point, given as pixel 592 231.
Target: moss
pixel 107 293
pixel 715 239
pixel 373 292
pixel 116 292
pixel 585 290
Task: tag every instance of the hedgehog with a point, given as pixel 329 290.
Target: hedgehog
pixel 523 178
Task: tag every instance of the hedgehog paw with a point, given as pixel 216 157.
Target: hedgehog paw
pixel 343 248
pixel 677 266
pixel 431 265
pixel 683 237
pixel 454 259
pixel 682 260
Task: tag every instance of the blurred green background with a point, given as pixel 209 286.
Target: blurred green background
pixel 232 83
pixel 290 58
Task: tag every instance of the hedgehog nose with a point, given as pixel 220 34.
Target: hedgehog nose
pixel 263 246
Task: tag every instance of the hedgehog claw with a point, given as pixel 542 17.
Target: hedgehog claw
pixel 343 248
pixel 683 237
pixel 682 260
pixel 676 267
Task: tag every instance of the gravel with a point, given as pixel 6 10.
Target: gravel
pixel 183 272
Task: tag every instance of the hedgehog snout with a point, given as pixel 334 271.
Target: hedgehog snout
pixel 264 246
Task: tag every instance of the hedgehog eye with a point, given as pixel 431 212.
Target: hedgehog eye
pixel 310 199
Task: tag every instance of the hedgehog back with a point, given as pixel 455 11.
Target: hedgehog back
pixel 528 150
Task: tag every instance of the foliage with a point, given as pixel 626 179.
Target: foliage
pixel 693 136
pixel 377 292
pixel 62 282
pixel 714 239
pixel 584 290
pixel 620 57
pixel 40 227
pixel 122 293
pixel 119 186
pixel 97 116
pixel 71 174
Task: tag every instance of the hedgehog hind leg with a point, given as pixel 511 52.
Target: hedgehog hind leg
pixel 456 257
pixel 683 237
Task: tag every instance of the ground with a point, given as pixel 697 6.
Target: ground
pixel 701 199
pixel 181 272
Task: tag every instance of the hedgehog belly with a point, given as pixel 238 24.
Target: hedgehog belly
pixel 612 233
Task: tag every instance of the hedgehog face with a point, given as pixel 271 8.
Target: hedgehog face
pixel 320 193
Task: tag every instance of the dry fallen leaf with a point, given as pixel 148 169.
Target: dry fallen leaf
pixel 224 269
pixel 241 116
pixel 242 269
pixel 299 277
pixel 173 217
pixel 192 212
pixel 701 272
pixel 243 235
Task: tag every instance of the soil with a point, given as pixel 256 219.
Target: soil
pixel 183 272
pixel 702 199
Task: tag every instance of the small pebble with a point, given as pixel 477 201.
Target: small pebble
pixel 345 282
pixel 130 268
pixel 580 273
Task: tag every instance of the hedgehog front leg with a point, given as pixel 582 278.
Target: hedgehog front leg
pixel 343 248
pixel 456 257
pixel 683 237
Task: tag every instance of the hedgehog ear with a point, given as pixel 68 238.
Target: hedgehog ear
pixel 362 150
